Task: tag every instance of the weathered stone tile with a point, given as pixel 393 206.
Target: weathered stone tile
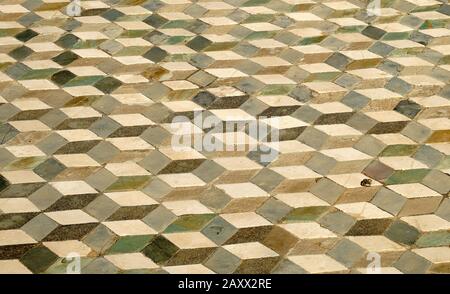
pixel 354 160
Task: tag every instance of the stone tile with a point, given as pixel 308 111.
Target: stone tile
pixel 355 159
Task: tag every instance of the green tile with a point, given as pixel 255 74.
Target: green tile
pixel 305 214
pixel 186 223
pixel 402 233
pixel 399 150
pixel 39 259
pixel 160 250
pixel 130 244
pixel 83 81
pixel 407 176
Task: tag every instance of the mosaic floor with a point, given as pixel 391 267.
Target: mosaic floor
pixel 88 167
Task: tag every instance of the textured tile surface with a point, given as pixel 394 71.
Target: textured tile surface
pixel 363 140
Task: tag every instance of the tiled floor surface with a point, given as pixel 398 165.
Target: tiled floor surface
pixel 87 165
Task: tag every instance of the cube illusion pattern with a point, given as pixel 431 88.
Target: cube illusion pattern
pixel 363 159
